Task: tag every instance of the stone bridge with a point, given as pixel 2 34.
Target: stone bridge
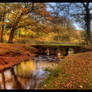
pixel 54 49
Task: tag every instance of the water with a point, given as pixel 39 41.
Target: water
pixel 29 74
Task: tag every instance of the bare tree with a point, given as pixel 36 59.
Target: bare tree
pixel 81 13
pixel 77 12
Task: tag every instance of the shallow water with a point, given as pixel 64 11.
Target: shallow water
pixel 29 74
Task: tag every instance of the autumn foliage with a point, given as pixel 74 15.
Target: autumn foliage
pixel 11 55
pixel 74 73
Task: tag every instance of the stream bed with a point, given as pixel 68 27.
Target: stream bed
pixel 29 74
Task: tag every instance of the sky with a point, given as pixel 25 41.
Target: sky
pixel 75 24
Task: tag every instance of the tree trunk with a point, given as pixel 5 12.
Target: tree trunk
pixel 3 78
pixel 1 40
pixel 16 79
pixel 11 36
pixel 87 24
pixel 88 31
pixel 88 28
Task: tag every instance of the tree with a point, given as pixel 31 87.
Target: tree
pixel 16 19
pixel 60 20
pixel 4 10
pixel 77 12
pixel 82 14
pixel 27 15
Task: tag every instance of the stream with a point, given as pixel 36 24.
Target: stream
pixel 29 74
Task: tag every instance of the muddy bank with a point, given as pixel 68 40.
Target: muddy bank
pixel 12 54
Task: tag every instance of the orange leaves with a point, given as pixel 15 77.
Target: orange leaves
pixel 75 72
pixel 9 59
pixel 40 5
pixel 81 86
pixel 50 18
pixel 48 14
pixel 43 12
pixel 24 9
pixel 2 23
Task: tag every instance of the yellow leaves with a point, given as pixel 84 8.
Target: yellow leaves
pixel 24 9
pixel 2 23
pixel 81 86
pixel 50 18
pixel 49 36
pixel 57 83
pixel 26 68
pixel 45 85
pixel 43 12
pixel 69 85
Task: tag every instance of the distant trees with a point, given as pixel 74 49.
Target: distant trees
pixel 4 10
pixel 79 12
pixel 61 24
pixel 35 17
pixel 82 13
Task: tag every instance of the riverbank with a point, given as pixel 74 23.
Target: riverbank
pixel 74 72
pixel 12 54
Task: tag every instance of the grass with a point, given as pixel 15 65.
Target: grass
pixel 54 43
pixel 47 69
pixel 74 72
pixel 50 44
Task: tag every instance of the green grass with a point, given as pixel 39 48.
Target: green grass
pixel 54 43
pixel 54 73
pixel 57 44
pixel 47 69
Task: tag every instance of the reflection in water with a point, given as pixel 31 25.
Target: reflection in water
pixel 29 74
pixel 25 69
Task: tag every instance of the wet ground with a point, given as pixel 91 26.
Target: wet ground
pixel 29 74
